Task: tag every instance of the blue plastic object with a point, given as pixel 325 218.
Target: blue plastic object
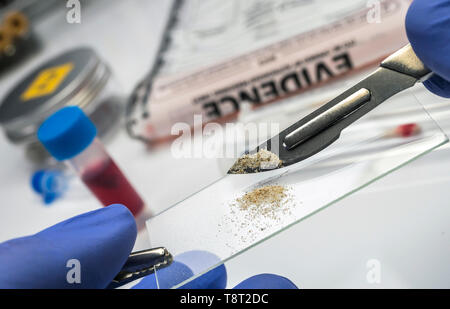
pixel 50 184
pixel 67 133
pixel 428 29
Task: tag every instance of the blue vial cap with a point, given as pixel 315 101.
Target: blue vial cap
pixel 67 133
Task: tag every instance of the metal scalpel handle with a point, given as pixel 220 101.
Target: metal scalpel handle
pixel 406 61
pixel 403 61
pixel 321 128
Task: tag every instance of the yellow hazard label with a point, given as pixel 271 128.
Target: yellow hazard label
pixel 47 81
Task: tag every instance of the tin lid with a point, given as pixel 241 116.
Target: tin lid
pixel 72 78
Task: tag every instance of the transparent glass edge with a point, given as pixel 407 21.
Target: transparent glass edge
pixel 313 213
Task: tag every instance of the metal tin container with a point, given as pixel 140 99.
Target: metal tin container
pixel 77 77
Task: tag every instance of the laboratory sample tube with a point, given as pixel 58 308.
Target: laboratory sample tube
pixel 70 136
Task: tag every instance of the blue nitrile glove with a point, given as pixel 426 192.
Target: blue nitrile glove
pixel 428 29
pixel 100 241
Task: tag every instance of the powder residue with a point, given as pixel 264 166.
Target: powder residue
pixel 256 214
pixel 263 201
pixel 250 163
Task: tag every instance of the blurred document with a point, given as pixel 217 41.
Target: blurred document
pixel 225 53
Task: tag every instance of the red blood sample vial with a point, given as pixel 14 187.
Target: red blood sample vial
pixel 70 136
pixel 104 178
